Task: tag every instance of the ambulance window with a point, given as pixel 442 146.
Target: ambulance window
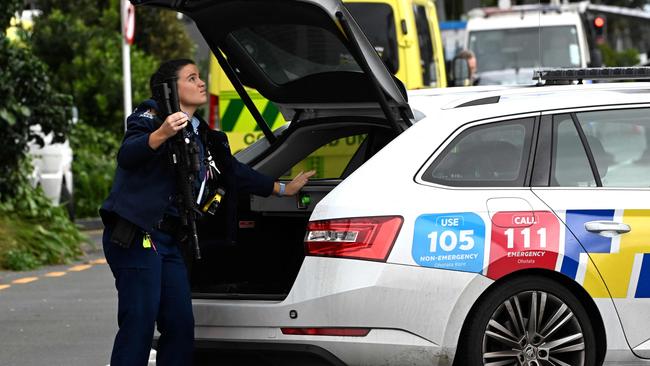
pixel 426 46
pixel 490 155
pixel 620 144
pixel 330 160
pixel 377 21
pixel 569 165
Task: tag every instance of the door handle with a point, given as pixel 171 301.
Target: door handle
pixel 607 228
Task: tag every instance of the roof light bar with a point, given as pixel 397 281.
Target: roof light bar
pixel 596 73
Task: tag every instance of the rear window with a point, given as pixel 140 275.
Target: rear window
pixel 286 52
pixel 490 155
pixel 377 21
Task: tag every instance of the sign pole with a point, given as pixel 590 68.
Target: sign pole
pixel 128 26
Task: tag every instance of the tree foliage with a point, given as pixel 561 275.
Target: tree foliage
pixel 83 49
pixel 612 58
pixel 27 100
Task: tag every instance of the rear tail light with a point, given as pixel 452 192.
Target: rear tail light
pixel 213 112
pixel 369 238
pixel 345 332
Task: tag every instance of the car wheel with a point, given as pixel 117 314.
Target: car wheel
pixel 66 198
pixel 530 321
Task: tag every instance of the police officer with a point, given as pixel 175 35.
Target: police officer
pixel 142 230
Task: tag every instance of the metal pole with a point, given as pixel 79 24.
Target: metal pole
pixel 126 65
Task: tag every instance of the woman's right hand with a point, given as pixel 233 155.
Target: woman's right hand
pixel 173 123
pixel 170 127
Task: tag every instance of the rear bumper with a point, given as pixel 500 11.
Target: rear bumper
pixel 208 352
pixel 414 314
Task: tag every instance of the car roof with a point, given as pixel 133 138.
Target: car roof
pixel 474 103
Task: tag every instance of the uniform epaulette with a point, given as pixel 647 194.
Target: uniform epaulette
pixel 146 114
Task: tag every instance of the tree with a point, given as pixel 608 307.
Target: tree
pixel 27 100
pixel 83 50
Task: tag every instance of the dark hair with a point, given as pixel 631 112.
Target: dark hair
pixel 465 54
pixel 168 69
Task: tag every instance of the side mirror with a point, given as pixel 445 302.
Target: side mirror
pixel 596 58
pixel 460 72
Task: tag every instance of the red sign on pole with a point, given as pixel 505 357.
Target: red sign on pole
pixel 129 23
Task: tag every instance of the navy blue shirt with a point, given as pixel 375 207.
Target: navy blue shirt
pixel 144 187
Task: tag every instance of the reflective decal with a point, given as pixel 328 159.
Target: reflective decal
pixel 575 225
pixel 450 241
pixel 519 240
pixel 643 284
pixel 620 260
pixel 530 241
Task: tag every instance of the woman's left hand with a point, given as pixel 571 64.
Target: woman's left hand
pixel 298 182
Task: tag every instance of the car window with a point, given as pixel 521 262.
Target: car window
pixel 286 52
pixel 426 45
pixel 377 21
pixel 619 141
pixel 330 160
pixel 570 165
pixel 491 155
pixel 519 48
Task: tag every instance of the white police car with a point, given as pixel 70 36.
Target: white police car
pixel 505 227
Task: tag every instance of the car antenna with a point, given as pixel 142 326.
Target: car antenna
pixel 539 38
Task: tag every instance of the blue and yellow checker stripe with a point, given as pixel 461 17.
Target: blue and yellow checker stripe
pixel 623 261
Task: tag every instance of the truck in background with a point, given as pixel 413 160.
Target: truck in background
pixel 510 42
pixel 404 32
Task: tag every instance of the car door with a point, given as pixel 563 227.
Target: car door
pixel 593 170
pixel 481 215
pixel 309 57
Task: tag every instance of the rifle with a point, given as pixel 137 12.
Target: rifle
pixel 185 158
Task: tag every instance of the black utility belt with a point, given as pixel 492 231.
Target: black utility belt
pixel 125 232
pixel 170 225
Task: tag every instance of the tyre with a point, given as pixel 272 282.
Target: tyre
pixel 529 321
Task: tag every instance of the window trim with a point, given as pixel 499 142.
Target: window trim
pixel 587 148
pixel 532 137
pixel 543 162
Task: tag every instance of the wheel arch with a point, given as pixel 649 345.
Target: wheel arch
pixel 585 299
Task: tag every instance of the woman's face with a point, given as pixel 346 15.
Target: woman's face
pixel 191 89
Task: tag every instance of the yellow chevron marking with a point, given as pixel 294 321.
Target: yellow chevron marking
pixel 55 274
pixel 98 261
pixel 2 287
pixel 81 267
pixel 24 280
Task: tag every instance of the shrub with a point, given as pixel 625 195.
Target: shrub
pixel 32 231
pixel 93 167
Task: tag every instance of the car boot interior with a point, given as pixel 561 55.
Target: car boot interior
pixel 265 257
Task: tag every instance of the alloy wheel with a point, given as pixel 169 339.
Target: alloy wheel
pixel 533 328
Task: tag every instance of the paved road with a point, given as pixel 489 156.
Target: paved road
pixel 59 315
